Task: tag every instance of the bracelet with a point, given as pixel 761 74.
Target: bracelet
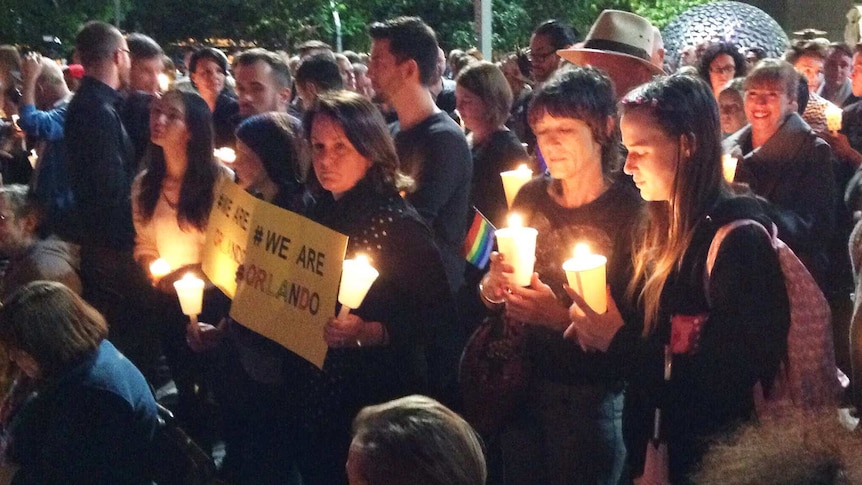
pixel 485 297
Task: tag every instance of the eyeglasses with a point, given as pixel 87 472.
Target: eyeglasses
pixel 723 70
pixel 536 57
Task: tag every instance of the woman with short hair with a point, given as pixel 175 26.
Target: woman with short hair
pixel 208 70
pixel 571 418
pixel 93 417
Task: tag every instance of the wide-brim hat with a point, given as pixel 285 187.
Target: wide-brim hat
pixel 620 42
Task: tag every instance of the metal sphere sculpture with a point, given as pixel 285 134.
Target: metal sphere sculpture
pixel 739 23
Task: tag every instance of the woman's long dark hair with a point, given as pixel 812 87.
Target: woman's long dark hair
pixel 682 107
pixel 196 192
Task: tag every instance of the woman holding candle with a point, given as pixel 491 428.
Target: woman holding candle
pixel 571 421
pixel 671 129
pixel 172 198
pixel 171 202
pixel 256 385
pixel 391 345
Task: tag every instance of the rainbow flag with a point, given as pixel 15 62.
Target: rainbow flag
pixel 479 241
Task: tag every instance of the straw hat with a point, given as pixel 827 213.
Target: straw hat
pixel 621 43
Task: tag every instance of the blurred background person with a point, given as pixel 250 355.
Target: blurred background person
pixel 484 100
pixel 208 68
pixel 837 87
pixel 720 63
pixel 731 107
pixel 43 118
pixel 316 75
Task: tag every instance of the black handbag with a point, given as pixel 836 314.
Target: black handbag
pixel 176 458
pixel 494 373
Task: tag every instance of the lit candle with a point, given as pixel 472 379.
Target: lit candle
pixel 518 245
pixel 513 180
pixel 833 117
pixel 225 154
pixel 728 166
pixel 357 276
pixel 159 268
pixel 190 290
pixel 586 274
pixel 164 82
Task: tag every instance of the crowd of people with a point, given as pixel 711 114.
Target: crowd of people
pixel 111 165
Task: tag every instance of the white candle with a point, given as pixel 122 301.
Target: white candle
pixel 159 268
pixel 225 154
pixel 728 167
pixel 833 117
pixel 33 158
pixel 190 290
pixel 517 244
pixel 587 275
pixel 357 276
pixel 513 180
pixel 164 82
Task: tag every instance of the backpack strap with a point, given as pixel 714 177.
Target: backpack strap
pixel 719 237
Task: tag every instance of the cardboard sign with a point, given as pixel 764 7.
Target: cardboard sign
pixel 291 270
pixel 227 235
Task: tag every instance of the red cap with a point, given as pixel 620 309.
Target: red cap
pixel 76 70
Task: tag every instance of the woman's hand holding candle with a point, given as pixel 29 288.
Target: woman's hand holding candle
pixel 352 331
pixel 590 329
pixel 537 305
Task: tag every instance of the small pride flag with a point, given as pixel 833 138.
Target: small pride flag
pixel 480 241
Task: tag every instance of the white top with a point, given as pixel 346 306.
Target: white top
pixel 161 236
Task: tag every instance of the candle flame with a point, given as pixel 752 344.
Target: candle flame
pixel 515 220
pixel 164 82
pixel 225 154
pixel 581 250
pixel 160 267
pixel 523 167
pixel 190 277
pixel 362 259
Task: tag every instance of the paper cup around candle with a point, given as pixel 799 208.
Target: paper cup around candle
pixel 587 276
pixel 357 276
pixel 833 117
pixel 190 290
pixel 518 247
pixel 160 268
pixel 513 180
pixel 728 167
